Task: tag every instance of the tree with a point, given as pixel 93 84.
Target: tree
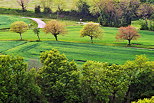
pixel 127 33
pixel 23 4
pixel 37 31
pixel 17 84
pixel 47 5
pixel 83 7
pixel 55 28
pixel 102 83
pixel 59 78
pixel 140 73
pixel 114 13
pixel 92 30
pixel 60 5
pixel 19 27
pixel 145 11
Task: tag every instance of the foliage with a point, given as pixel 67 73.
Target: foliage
pixel 46 3
pixel 83 7
pixel 103 83
pixel 127 33
pixel 16 83
pixel 59 79
pixel 146 100
pixel 141 80
pixel 55 28
pixel 145 10
pixel 37 9
pixel 37 31
pixel 114 13
pixel 92 30
pixel 60 4
pixel 19 27
pixel 147 25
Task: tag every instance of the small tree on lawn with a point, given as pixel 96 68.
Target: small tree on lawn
pixel 127 33
pixel 55 28
pixel 92 30
pixel 19 27
pixel 37 31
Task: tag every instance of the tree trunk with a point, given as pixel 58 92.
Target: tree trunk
pixel 38 37
pixel 127 96
pixel 91 37
pixel 20 36
pixel 129 42
pixel 56 37
pixel 23 7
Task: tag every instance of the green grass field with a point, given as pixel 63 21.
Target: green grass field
pixel 74 51
pixel 31 5
pixel 73 35
pixel 6 21
pixel 76 48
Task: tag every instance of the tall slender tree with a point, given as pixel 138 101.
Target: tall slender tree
pixel 23 4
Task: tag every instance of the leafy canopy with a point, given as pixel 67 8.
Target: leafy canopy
pixel 55 28
pixel 92 30
pixel 19 27
pixel 127 33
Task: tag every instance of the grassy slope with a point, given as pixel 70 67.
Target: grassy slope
pixel 5 20
pixel 74 51
pixel 73 35
pixel 74 46
pixel 30 6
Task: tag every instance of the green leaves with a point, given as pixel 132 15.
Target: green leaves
pixel 60 81
pixel 101 81
pixel 19 27
pixel 16 83
pixel 59 77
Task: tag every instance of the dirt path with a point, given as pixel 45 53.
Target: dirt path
pixel 41 24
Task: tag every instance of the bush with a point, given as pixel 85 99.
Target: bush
pixel 151 25
pixel 147 25
pixel 37 9
pixel 146 100
pixel 47 10
pixel 144 25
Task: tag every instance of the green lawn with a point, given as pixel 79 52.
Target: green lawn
pixel 106 49
pixel 31 5
pixel 5 20
pixel 73 35
pixel 74 51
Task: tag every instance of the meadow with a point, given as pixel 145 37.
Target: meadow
pixel 31 5
pixel 106 49
pixel 79 52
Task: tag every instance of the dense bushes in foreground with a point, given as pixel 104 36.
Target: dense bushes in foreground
pixel 60 81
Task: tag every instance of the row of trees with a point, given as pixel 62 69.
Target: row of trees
pixel 91 30
pixel 60 81
pixel 114 13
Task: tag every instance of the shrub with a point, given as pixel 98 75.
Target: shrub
pixel 146 100
pixel 37 9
